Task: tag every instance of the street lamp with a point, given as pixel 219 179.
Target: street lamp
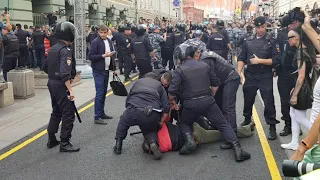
pixel 307 8
pixel 112 9
pixel 94 4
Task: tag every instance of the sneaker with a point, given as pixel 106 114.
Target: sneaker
pixel 290 146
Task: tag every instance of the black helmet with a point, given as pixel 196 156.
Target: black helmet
pixel 140 30
pixel 178 25
pixel 182 27
pixel 193 26
pixel 94 28
pixel 121 28
pixel 133 28
pixel 127 27
pixel 220 23
pixel 182 52
pixel 170 29
pixel 201 27
pixel 65 31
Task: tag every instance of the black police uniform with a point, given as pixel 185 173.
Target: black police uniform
pixel 217 43
pixel 197 100
pixel 167 50
pixel 258 76
pixel 227 78
pixel 146 98
pixel 123 49
pixel 180 36
pixel 285 80
pixel 60 67
pixel 23 49
pixel 141 48
pixel 117 38
pixel 11 53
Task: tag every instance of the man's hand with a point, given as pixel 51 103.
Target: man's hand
pixel 243 79
pixel 306 24
pixel 108 54
pixel 255 60
pixel 294 100
pixel 71 96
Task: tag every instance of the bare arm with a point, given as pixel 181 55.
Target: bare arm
pixel 301 77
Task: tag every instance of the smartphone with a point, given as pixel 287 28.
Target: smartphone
pixel 113 52
pixel 5 10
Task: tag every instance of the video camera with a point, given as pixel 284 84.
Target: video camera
pixel 291 168
pixel 297 15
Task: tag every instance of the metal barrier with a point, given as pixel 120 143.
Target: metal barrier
pixel 39 20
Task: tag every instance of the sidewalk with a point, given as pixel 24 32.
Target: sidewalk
pixel 26 116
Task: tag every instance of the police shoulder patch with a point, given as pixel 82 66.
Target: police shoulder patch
pixel 69 61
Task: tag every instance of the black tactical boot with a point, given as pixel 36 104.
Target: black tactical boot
pixel 52 141
pixel 272 134
pixel 189 144
pixel 240 154
pixel 118 147
pixel 286 130
pixel 146 147
pixel 226 145
pixel 127 78
pixel 157 155
pixel 66 146
pixel 246 122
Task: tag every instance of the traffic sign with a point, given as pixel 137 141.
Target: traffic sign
pixel 176 3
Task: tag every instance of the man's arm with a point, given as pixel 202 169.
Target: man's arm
pixel 165 103
pixel 214 80
pixel 242 58
pixel 65 69
pixel 174 87
pixel 93 52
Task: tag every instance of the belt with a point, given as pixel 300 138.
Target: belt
pixel 199 97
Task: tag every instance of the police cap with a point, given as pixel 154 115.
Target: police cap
pixel 127 27
pixel 140 30
pixel 285 21
pixel 170 29
pixel 259 21
pixel 65 31
pixel 121 28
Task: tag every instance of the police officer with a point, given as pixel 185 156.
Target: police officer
pixel 195 79
pixel 11 51
pixel 124 50
pixel 23 48
pixel 224 33
pixel 285 80
pixel 180 36
pixel 217 43
pixel 193 28
pixel 157 41
pixel 167 49
pixel 117 37
pixel 141 48
pixel 133 35
pixel 196 41
pixel 244 37
pixel 60 67
pixel 260 53
pixel 205 36
pixel 144 112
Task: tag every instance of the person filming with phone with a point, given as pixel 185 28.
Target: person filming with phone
pixel 101 55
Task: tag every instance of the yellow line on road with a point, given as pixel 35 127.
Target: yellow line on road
pixel 271 162
pixel 37 136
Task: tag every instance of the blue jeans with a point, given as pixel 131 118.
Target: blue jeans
pixel 101 81
pixel 32 58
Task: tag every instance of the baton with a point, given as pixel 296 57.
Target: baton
pixel 77 113
pixel 134 133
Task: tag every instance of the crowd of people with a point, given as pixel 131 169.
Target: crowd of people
pixel 197 90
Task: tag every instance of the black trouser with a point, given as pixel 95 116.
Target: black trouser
pixel 132 116
pixel 226 98
pixel 167 55
pixel 127 64
pixel 62 109
pixel 134 65
pixel 121 60
pixel 285 85
pixel 206 107
pixel 144 66
pixel 40 52
pixel 264 83
pixel 23 55
pixel 9 63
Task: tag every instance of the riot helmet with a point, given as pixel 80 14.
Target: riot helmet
pixel 220 23
pixel 65 31
pixel 182 27
pixel 182 52
pixel 140 30
pixel 121 28
pixel 170 29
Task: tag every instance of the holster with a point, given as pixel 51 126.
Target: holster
pixel 148 110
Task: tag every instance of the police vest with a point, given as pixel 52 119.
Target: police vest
pixel 139 49
pixel 146 86
pixel 53 61
pixel 262 48
pixel 12 45
pixel 179 38
pixel 169 41
pixel 196 81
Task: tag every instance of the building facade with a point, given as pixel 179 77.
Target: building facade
pixel 97 11
pixel 286 5
pixel 192 13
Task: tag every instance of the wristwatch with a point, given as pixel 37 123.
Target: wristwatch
pixel 306 145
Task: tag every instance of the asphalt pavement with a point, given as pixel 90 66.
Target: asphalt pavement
pixel 96 159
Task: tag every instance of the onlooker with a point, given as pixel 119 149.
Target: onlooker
pixel 100 55
pixel 3 26
pixel 38 41
pixel 23 50
pixel 52 18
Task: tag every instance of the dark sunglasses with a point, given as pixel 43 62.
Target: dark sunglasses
pixel 291 37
